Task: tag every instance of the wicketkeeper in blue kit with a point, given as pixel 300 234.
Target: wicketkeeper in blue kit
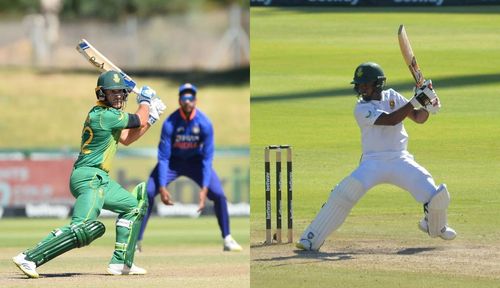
pixel 186 149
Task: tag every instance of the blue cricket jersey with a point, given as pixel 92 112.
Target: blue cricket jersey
pixel 186 140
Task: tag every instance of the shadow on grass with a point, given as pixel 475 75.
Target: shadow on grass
pixel 71 274
pixel 304 255
pixel 417 250
pixel 440 82
pixel 343 255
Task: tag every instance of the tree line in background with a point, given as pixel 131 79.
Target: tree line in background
pixel 113 9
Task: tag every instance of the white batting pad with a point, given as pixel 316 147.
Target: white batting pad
pixel 436 211
pixel 333 213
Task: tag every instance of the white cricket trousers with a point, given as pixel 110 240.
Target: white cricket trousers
pixel 400 170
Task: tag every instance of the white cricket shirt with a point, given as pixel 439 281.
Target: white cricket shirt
pixel 379 141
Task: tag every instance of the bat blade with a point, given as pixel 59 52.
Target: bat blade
pixel 409 57
pixel 102 63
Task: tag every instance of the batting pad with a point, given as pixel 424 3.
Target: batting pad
pixel 78 235
pixel 343 197
pixel 129 225
pixel 436 211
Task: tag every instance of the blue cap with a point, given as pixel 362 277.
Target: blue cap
pixel 187 87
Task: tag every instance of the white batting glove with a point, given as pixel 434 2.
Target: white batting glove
pixel 424 95
pixel 155 110
pixel 147 93
pixel 434 106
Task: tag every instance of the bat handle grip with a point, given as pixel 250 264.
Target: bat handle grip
pixel 136 90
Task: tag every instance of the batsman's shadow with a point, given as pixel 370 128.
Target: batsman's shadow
pixel 70 274
pixel 416 250
pixel 314 256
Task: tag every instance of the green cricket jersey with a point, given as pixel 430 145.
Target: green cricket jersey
pixel 100 136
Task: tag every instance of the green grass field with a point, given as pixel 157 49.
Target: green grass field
pixel 302 62
pixel 178 252
pixel 48 110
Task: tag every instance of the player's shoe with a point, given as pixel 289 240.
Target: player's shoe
pixel 447 233
pixel 138 246
pixel 231 245
pixel 28 267
pixel 304 244
pixel 122 269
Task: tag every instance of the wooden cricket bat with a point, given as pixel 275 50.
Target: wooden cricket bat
pixel 102 63
pixel 409 57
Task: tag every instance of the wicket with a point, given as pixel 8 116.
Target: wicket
pixel 267 167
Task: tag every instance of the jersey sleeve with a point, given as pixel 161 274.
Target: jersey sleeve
pixel 398 98
pixel 114 119
pixel 164 151
pixel 207 152
pixel 366 114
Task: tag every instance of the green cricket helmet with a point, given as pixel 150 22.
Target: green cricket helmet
pixel 369 72
pixel 110 80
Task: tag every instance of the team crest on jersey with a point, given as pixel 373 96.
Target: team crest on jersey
pixel 196 129
pixel 359 72
pixel 116 78
pixel 392 104
pixel 180 130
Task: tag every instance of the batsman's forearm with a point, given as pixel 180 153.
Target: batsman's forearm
pixel 143 113
pixel 129 136
pixel 419 116
pixel 395 117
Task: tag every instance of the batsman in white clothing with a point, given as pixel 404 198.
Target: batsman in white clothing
pixel 380 114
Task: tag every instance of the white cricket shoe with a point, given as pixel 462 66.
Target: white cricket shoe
pixel 447 233
pixel 231 245
pixel 122 269
pixel 28 267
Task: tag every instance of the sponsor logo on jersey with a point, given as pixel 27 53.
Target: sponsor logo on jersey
pixel 180 130
pixel 392 104
pixel 369 114
pixel 187 141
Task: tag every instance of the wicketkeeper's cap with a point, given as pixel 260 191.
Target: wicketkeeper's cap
pixel 187 88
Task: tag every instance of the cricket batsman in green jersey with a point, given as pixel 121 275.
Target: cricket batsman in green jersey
pixel 105 126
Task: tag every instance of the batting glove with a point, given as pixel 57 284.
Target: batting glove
pixel 155 110
pixel 424 95
pixel 147 93
pixel 434 106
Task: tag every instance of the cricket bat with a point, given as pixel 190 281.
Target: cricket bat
pixel 102 63
pixel 409 57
